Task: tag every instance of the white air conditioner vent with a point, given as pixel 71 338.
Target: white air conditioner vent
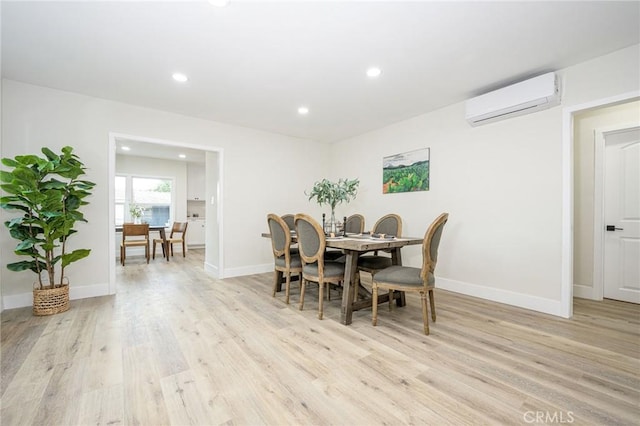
pixel 531 95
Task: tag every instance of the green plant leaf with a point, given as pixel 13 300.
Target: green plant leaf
pixel 74 256
pixel 334 193
pixel 48 194
pixel 10 163
pixel 49 154
pixel 26 265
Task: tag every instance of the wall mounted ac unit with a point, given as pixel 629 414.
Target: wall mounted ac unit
pixel 531 95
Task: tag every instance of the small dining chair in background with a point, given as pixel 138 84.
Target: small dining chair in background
pixel 178 236
pixel 137 231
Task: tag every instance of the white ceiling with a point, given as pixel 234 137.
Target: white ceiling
pixel 146 149
pixel 254 62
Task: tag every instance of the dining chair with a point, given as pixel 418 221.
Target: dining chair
pixel 289 220
pixel 390 224
pixel 420 280
pixel 137 231
pixel 177 236
pixel 355 224
pixel 285 261
pixel 315 268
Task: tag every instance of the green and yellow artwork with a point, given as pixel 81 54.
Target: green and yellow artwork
pixel 406 172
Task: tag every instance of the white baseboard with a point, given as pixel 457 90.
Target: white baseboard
pixel 22 300
pixel 539 304
pixel 248 270
pixel 17 300
pixel 585 292
pixel 212 270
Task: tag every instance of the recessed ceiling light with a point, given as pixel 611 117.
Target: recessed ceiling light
pixel 374 72
pixel 219 3
pixel 180 77
pixel 126 148
pixel 182 156
pixel 303 110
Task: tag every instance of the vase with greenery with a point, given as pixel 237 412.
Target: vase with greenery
pixel 334 193
pixel 48 192
pixel 136 212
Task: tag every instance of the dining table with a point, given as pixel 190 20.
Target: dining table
pixel 354 245
pixel 163 235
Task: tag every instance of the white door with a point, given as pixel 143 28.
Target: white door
pixel 622 216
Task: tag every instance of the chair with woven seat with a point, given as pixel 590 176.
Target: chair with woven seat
pixel 315 268
pixel 285 262
pixel 178 236
pixel 140 232
pixel 420 280
pixel 390 224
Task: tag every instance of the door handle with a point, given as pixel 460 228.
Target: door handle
pixel 613 228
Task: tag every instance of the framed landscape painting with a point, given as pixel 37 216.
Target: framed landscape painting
pixel 406 172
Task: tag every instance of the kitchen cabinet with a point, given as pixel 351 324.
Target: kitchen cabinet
pixel 196 235
pixel 196 182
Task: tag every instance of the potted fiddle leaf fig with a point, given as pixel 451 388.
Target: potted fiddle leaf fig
pixel 334 193
pixel 48 193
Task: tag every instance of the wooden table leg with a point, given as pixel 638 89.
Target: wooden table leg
pixel 396 259
pixel 165 243
pixel 348 292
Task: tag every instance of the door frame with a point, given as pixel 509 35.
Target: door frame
pixel 566 281
pixel 598 204
pixel 216 272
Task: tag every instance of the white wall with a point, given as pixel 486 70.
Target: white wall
pixel 212 213
pixel 501 184
pixel 585 124
pixel 255 180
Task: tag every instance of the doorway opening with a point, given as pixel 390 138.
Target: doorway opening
pixel 579 211
pixel 617 213
pixel 174 157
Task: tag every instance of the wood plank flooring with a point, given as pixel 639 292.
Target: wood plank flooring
pixel 176 347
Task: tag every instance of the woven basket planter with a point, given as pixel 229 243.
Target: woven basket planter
pixel 51 301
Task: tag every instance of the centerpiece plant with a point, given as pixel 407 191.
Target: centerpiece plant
pixel 48 192
pixel 136 212
pixel 334 193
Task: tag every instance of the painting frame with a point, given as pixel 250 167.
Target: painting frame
pixel 406 172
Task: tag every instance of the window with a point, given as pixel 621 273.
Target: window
pixel 121 199
pixel 154 195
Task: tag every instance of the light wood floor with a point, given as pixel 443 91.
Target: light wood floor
pixel 177 347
